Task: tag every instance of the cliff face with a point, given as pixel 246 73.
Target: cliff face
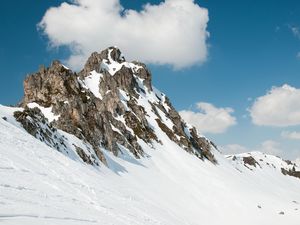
pixel 111 104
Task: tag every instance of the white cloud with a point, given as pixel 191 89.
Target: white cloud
pixel 269 147
pixel 172 32
pixel 233 149
pixel 210 119
pixel 295 30
pixel 280 107
pixel 293 135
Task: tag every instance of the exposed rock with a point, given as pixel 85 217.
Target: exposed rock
pixel 144 74
pixel 82 155
pixel 101 105
pixel 165 129
pixel 202 144
pixel 289 162
pixel 291 172
pixel 250 161
pixel 34 122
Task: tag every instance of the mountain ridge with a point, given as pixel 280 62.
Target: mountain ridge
pixel 109 103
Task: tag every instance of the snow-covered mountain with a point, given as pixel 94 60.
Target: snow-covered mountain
pixel 103 146
pixel 256 161
pixel 110 105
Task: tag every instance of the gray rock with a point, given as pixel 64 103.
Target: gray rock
pixel 96 120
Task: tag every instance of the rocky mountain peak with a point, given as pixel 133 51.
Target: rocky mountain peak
pixel 109 56
pixel 110 105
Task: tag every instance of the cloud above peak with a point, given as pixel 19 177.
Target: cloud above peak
pixel 173 32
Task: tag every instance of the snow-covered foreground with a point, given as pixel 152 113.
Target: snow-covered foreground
pixel 39 185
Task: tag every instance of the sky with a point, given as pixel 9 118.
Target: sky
pixel 230 67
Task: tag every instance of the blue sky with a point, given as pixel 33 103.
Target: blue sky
pixel 252 46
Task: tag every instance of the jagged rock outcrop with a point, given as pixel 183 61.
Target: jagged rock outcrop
pixel 35 123
pixel 110 103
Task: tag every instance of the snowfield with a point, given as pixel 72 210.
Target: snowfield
pixel 39 185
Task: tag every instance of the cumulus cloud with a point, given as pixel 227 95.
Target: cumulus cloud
pixel 280 107
pixel 269 147
pixel 233 149
pixel 173 32
pixel 295 30
pixel 293 135
pixel 209 119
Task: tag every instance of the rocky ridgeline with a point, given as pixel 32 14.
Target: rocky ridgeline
pixel 109 105
pixel 254 161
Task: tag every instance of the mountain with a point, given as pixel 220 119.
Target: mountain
pixel 103 146
pixel 110 104
pixel 256 161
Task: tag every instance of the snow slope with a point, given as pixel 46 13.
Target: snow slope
pixel 39 185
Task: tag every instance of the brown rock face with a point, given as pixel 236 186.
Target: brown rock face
pixel 35 123
pixel 291 172
pixel 249 160
pixel 106 105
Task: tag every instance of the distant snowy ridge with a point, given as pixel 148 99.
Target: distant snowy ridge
pixel 257 161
